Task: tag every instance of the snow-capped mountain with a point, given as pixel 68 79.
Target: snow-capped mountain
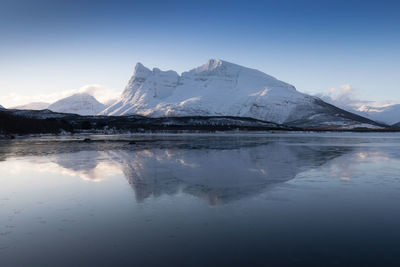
pixel 388 114
pixel 226 89
pixel 1 107
pixel 82 104
pixel 33 106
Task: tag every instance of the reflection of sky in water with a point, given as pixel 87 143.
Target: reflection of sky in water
pixel 166 200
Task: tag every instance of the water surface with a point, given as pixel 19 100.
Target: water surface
pixel 234 200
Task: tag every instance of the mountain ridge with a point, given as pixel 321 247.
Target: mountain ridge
pixel 33 106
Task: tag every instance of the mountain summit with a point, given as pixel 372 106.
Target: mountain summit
pixel 220 88
pixel 81 103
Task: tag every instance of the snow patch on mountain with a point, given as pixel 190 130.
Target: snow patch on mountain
pixel 82 104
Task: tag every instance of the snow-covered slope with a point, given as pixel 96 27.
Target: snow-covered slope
pixel 388 114
pixel 82 104
pixel 226 89
pixel 1 107
pixel 33 106
pixel 110 102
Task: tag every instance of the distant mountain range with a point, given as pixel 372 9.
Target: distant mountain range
pixel 389 114
pixel 33 106
pixel 81 104
pixel 220 88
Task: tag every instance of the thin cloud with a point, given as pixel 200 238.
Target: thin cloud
pixel 101 93
pixel 345 95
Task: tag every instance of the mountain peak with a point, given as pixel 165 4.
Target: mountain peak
pixel 212 64
pixel 139 66
pixel 80 103
pixel 141 70
pixel 80 96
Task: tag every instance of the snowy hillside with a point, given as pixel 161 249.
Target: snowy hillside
pixel 220 88
pixel 82 104
pixel 1 107
pixel 33 106
pixel 110 102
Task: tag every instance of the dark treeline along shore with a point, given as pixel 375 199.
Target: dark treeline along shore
pixel 41 122
pixel 23 122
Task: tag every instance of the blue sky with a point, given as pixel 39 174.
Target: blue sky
pixel 51 47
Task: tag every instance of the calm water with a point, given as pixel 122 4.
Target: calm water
pixel 306 200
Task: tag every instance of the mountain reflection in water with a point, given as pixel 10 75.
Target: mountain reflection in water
pixel 218 170
pixel 233 200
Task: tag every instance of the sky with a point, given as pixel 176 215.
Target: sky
pixel 49 49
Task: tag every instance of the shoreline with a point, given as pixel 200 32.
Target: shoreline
pixel 276 133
